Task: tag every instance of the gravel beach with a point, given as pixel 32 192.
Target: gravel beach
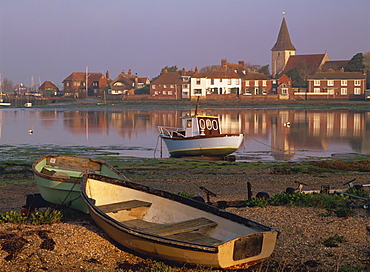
pixel 79 245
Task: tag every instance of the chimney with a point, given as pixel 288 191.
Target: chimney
pixel 241 62
pixel 123 72
pixel 129 72
pixel 223 64
pixel 341 70
pixel 196 70
pixel 107 74
pixel 164 71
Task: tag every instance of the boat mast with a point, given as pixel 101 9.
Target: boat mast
pixel 196 107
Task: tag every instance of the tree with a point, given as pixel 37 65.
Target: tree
pixel 265 70
pixel 173 68
pixel 356 64
pixel 7 85
pixel 367 68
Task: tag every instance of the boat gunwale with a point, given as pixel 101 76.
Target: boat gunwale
pixel 223 135
pixel 158 192
pixel 71 179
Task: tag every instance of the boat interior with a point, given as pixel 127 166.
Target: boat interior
pixel 131 214
pixel 160 216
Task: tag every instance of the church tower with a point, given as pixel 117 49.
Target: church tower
pixel 282 50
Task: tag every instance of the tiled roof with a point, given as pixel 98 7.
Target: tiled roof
pixel 78 76
pixel 169 78
pixel 256 76
pixel 48 85
pixel 338 75
pixel 283 41
pixel 313 61
pixel 335 65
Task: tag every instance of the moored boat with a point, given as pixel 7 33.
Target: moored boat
pixel 58 178
pixel 200 135
pixel 170 227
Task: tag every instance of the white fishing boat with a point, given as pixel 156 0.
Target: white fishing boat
pixel 200 135
pixel 170 227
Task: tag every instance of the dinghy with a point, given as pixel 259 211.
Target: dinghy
pixel 170 227
pixel 58 178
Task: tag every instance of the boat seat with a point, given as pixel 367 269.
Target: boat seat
pixel 183 226
pixel 125 205
pixel 56 172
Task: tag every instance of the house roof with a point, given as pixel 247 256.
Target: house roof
pixel 335 65
pixel 338 75
pixel 168 78
pixel 314 61
pixel 283 41
pixel 255 76
pixel 48 85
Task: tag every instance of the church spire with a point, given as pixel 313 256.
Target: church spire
pixel 283 41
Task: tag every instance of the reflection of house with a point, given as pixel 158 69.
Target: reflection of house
pixel 337 84
pixel 48 89
pixel 81 85
pixel 127 83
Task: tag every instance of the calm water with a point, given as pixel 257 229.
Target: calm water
pixel 269 134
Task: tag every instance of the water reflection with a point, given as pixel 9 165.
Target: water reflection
pixel 269 134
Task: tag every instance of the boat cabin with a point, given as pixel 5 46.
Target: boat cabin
pixel 200 125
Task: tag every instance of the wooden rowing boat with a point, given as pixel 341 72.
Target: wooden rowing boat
pixel 58 177
pixel 170 227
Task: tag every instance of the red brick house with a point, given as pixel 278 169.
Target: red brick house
pixel 337 84
pixel 126 84
pixel 172 85
pixel 48 89
pixel 82 85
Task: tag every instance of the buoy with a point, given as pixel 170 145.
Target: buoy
pixel 30 131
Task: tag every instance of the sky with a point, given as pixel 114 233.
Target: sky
pixel 50 39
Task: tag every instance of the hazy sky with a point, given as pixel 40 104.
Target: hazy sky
pixel 50 39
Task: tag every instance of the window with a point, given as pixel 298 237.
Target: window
pixel 247 83
pixel 185 86
pixel 316 82
pixel 212 81
pixel 343 91
pixel 197 91
pixel 67 84
pixel 256 83
pixel 343 82
pixel 169 92
pixel 164 92
pixel 237 81
pixel 153 86
pixel 229 81
pixel 171 86
pixel 95 84
pixel 284 91
pixel 316 90
pixel 330 82
pixel 357 91
pixel 164 86
pixel 264 83
pixel 357 82
pixel 198 81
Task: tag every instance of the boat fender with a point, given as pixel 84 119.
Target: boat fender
pixel 262 195
pixel 289 190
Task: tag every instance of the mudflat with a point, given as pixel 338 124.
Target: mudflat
pixel 77 244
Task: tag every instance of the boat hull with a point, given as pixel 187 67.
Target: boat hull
pixel 235 242
pixel 60 184
pixel 212 146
